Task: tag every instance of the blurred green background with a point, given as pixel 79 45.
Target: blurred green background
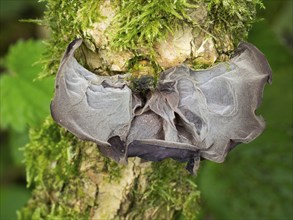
pixel 256 180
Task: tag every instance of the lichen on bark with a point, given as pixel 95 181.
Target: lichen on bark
pixel 71 179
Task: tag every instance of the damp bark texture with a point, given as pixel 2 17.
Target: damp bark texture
pixel 155 47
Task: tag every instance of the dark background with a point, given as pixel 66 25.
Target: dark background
pixel 255 182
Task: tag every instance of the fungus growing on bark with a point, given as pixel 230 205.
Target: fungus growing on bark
pixel 191 114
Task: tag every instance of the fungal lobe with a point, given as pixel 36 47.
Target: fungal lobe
pixel 191 114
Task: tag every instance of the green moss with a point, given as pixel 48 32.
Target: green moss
pixel 52 152
pixel 170 190
pixel 112 168
pixel 142 23
pixel 52 160
pixel 144 73
pixel 66 21
pixel 230 21
pixel 57 165
pixel 42 207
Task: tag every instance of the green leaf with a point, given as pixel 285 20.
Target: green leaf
pixel 24 100
pixel 16 141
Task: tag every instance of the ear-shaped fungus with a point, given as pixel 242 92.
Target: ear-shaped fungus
pixel 190 115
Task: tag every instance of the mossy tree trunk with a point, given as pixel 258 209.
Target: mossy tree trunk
pixel 71 179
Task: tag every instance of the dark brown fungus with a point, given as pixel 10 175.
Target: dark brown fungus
pixel 191 114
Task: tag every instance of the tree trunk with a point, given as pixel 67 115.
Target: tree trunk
pixel 71 179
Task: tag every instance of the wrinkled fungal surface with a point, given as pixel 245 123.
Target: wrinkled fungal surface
pixel 190 115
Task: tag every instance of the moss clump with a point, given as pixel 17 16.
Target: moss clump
pixel 142 23
pixel 169 192
pixel 62 169
pixel 41 206
pixel 66 21
pixel 230 21
pixel 138 25
pixel 175 186
pixel 52 152
pixel 112 168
